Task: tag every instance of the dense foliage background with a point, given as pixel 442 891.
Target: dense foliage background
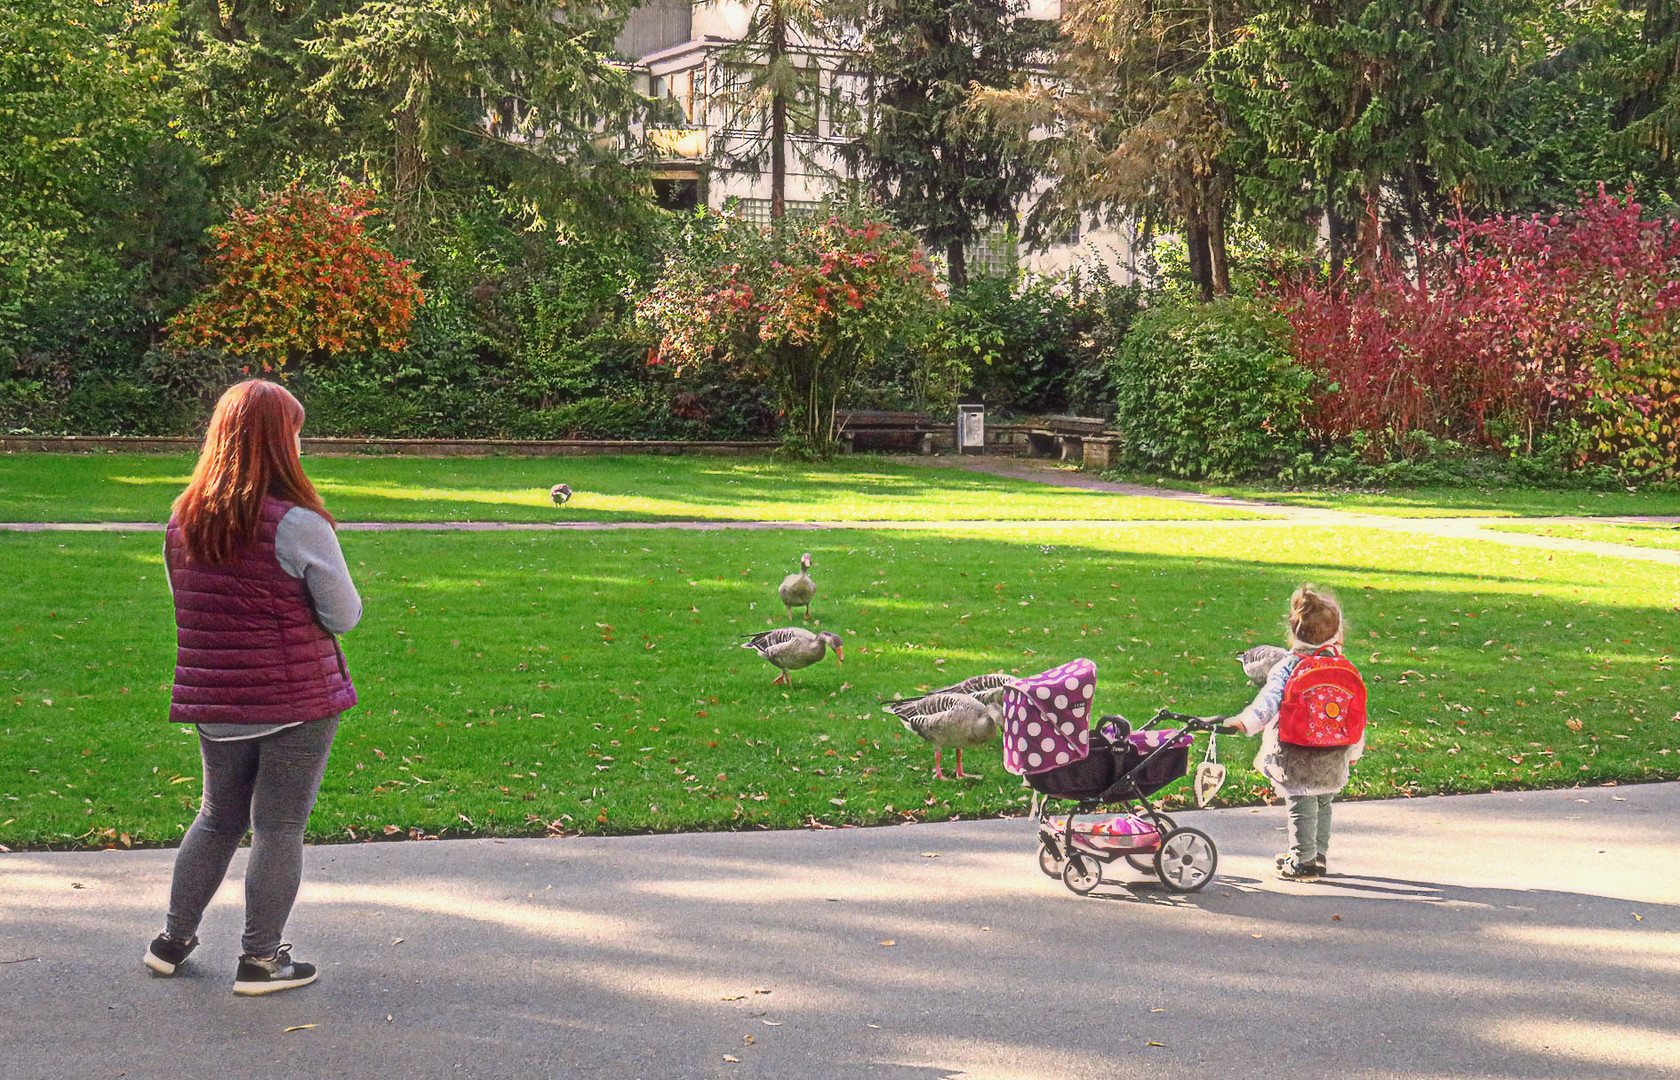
pixel 1374 233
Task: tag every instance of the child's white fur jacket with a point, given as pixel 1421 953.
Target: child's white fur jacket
pixel 1293 770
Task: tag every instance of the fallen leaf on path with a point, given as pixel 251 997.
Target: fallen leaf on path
pixel 930 854
pixel 398 941
pixel 734 997
pixel 1335 918
pixel 1155 1044
pixel 1257 935
pixel 389 1018
pixel 727 1057
pixel 762 990
pixel 746 1040
pixel 887 943
pixel 300 1027
pixel 771 1023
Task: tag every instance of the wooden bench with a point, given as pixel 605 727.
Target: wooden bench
pixel 887 429
pixel 1062 436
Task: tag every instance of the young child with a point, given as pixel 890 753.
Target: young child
pixel 1310 717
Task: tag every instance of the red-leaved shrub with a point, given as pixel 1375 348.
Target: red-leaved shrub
pixel 1516 328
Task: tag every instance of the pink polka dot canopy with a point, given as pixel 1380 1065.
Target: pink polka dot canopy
pixel 1047 718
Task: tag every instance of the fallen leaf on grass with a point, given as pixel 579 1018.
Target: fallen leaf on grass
pixel 300 1027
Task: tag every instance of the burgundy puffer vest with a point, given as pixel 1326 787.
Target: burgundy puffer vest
pixel 248 648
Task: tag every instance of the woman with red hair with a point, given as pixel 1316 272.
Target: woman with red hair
pixel 261 590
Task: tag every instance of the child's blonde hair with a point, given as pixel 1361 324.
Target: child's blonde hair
pixel 1315 618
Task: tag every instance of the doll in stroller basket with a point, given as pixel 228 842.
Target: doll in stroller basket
pixel 1048 740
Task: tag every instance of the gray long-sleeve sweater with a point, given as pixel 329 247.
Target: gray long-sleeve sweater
pixel 306 547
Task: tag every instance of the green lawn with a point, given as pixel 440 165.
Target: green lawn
pixel 1451 501
pixel 1651 536
pixel 136 487
pixel 517 682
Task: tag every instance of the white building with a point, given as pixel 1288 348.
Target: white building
pixel 678 49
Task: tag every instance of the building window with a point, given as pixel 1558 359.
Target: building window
pixel 758 210
pixel 992 254
pixel 746 102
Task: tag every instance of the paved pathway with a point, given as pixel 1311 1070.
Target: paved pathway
pixel 1278 515
pixel 1495 937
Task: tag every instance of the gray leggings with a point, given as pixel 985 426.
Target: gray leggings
pixel 1309 826
pixel 267 785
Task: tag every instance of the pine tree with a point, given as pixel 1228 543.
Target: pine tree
pixel 768 97
pixel 1341 107
pixel 1649 111
pixel 942 170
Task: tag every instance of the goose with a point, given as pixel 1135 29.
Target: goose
pixel 1258 662
pixel 793 647
pixel 797 589
pixel 948 720
pixel 561 494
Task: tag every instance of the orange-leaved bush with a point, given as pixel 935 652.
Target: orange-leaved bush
pixel 297 278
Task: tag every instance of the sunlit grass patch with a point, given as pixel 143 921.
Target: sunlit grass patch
pixel 515 683
pixel 74 488
pixel 1649 536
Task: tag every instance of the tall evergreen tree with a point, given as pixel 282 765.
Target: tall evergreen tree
pixel 944 171
pixel 768 88
pixel 1649 112
pixel 1342 106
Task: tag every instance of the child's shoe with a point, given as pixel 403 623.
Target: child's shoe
pixel 267 976
pixel 1319 866
pixel 165 953
pixel 1291 869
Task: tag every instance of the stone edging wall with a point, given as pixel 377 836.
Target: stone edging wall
pixel 438 448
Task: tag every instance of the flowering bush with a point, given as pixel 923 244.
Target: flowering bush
pixel 298 277
pixel 1518 328
pixel 808 306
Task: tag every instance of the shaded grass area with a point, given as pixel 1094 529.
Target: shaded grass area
pixel 140 487
pixel 517 684
pixel 1444 501
pixel 1648 536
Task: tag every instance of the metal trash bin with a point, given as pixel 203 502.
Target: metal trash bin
pixel 971 429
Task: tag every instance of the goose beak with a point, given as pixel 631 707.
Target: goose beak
pixel 839 656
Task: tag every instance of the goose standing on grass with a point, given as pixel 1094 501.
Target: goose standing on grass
pixel 793 647
pixel 798 589
pixel 957 721
pixel 561 494
pixel 1258 662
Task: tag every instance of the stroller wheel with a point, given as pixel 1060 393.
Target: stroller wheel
pixel 1081 873
pixel 1049 861
pixel 1144 862
pixel 1186 861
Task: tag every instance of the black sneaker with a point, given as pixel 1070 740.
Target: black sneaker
pixel 165 953
pixel 268 976
pixel 1319 866
pixel 1290 870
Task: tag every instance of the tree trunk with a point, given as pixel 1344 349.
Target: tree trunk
pixel 778 114
pixel 1338 255
pixel 1216 250
pixel 956 271
pixel 1196 239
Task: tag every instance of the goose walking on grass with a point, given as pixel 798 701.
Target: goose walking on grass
pixel 797 589
pixel 561 494
pixel 954 721
pixel 1258 662
pixel 793 647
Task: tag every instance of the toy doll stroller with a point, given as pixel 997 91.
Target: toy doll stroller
pixel 1048 740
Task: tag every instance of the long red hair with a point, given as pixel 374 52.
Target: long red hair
pixel 250 452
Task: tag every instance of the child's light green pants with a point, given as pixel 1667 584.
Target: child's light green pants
pixel 1309 826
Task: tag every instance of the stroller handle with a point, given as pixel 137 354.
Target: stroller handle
pixel 1188 723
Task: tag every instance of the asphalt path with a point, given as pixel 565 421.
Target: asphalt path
pixel 1513 935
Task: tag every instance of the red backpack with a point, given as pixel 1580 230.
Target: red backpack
pixel 1323 703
